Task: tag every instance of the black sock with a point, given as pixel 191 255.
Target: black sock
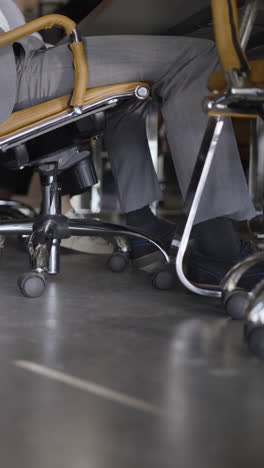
pixel 144 219
pixel 217 238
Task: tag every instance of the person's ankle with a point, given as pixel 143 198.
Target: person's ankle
pixel 145 220
pixel 159 229
pixel 140 217
pixel 217 238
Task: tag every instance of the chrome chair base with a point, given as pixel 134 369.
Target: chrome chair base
pixel 195 191
pixel 45 232
pixel 238 303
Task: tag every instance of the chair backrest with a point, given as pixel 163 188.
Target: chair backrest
pixel 227 36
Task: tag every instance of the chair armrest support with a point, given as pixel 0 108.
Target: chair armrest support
pixel 76 46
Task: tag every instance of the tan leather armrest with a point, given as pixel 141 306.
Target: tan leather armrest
pixel 33 116
pixel 45 22
pixel 226 33
pixel 79 59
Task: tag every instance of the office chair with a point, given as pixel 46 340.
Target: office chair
pixel 237 90
pixel 45 232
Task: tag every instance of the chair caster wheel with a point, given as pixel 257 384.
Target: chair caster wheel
pixel 235 303
pixel 163 280
pixel 254 335
pixel 118 262
pixel 32 284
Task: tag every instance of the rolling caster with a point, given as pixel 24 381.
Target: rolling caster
pixel 235 303
pixel 163 280
pixel 254 335
pixel 32 284
pixel 118 262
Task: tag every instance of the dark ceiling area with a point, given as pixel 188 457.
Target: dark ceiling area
pixel 200 25
pixel 166 17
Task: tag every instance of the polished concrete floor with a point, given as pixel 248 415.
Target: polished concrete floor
pixel 103 371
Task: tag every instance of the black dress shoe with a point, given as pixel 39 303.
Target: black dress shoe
pixel 146 255
pixel 208 272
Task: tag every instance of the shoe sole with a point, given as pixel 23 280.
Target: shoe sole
pixel 210 287
pixel 88 245
pixel 150 262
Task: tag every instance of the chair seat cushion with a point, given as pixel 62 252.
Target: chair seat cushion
pixel 28 118
pixel 217 81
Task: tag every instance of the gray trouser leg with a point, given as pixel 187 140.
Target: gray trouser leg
pixel 178 69
pixel 127 145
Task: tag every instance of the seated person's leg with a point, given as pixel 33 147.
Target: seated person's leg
pixel 126 141
pixel 178 69
pixel 136 180
pixel 127 145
